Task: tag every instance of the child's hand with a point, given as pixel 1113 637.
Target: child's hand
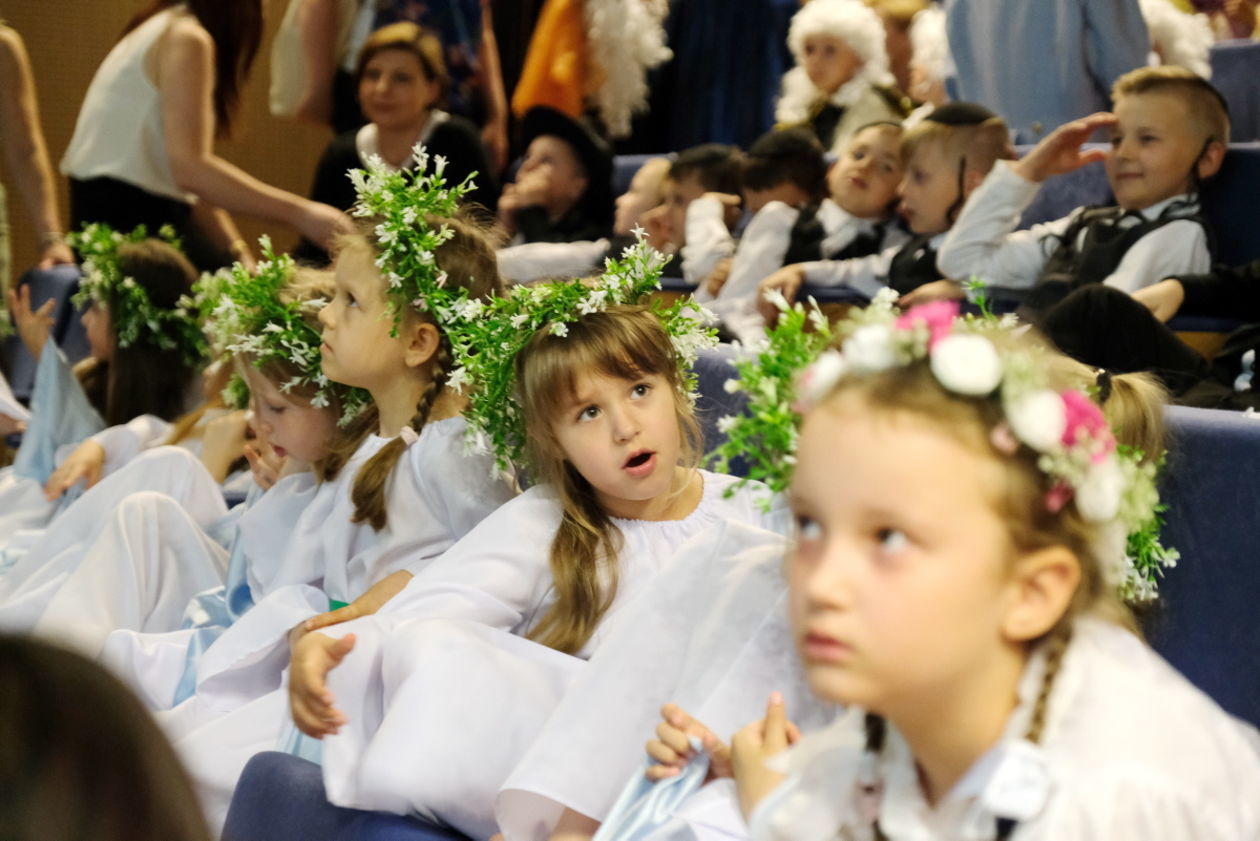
pixel 753 745
pixel 672 746
pixel 223 442
pixel 937 290
pixel 532 187
pixel 266 466
pixel 365 605
pixel 717 278
pixel 87 462
pixel 786 280
pixel 33 326
pixel 313 657
pixel 1163 299
pixel 1060 150
pixel 10 425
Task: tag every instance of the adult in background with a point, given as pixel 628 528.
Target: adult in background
pixel 26 156
pixel 563 187
pixel 401 80
pixel 143 146
pixel 1040 65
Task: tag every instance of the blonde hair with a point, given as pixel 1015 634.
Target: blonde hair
pixel 468 259
pixel 1134 411
pixel 627 342
pixel 409 37
pixel 1203 101
pixel 980 146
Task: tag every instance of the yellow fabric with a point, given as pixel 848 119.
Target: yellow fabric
pixel 556 68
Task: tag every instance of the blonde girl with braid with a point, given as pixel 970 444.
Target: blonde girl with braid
pixel 397 488
pixel 962 594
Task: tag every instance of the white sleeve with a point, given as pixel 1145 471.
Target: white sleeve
pixel 1178 248
pixel 544 260
pixel 124 442
pixel 867 274
pixel 760 251
pixel 984 243
pixel 708 241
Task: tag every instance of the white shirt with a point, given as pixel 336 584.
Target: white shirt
pixel 984 242
pixel 867 275
pixel 1131 751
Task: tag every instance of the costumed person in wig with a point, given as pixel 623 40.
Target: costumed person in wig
pixel 841 80
pixel 994 681
pixel 133 560
pixel 592 392
pixel 145 350
pixel 397 489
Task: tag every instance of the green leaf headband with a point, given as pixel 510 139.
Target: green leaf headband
pixel 249 317
pixel 134 316
pixel 1110 485
pixel 403 201
pixel 486 337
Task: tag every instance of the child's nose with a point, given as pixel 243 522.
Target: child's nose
pixel 325 315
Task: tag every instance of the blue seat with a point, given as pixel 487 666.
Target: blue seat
pixel 59 284
pixel 1229 203
pixel 1207 623
pixel 1235 69
pixel 281 798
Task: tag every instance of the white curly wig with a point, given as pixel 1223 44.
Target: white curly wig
pixel 854 23
pixel 1177 37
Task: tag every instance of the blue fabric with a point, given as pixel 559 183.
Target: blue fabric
pixel 1207 623
pixel 713 368
pixel 58 283
pixel 1235 68
pixel 60 415
pixel 1040 64
pixel 642 807
pixel 1229 203
pixel 281 798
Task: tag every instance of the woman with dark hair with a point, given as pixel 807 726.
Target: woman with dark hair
pixel 402 84
pixel 143 147
pixel 81 759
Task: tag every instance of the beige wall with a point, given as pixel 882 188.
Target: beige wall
pixel 67 39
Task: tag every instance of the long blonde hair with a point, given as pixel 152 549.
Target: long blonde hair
pixel 627 342
pixel 468 259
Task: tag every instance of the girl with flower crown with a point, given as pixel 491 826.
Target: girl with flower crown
pixel 126 559
pixel 397 488
pixel 145 348
pixel 962 596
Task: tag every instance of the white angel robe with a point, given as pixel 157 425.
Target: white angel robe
pixel 63 584
pixel 711 634
pixel 1131 751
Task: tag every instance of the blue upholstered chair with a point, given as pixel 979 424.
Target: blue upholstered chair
pixel 58 283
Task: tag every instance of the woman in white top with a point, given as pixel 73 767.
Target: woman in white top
pixel 143 146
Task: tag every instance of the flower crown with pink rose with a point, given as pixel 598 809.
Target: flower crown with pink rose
pixel 1110 485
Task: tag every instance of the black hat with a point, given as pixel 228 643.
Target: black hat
pixel 960 114
pixel 591 150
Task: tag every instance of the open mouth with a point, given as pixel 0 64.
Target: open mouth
pixel 638 459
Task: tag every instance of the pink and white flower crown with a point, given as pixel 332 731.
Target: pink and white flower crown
pixel 1110 485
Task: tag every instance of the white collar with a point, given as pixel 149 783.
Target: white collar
pixel 1190 200
pixel 368 140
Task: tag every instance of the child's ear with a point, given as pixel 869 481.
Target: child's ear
pixel 1210 161
pixel 1043 584
pixel 422 339
pixel 972 178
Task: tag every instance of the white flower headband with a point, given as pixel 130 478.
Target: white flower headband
pixel 1108 484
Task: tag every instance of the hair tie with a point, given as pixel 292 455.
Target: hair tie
pixel 408 436
pixel 1102 379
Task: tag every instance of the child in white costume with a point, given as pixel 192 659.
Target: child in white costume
pixel 137 566
pixel 841 80
pixel 996 689
pixel 145 348
pixel 400 498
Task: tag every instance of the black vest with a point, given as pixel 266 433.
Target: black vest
pixel 913 266
pixel 805 240
pixel 1092 257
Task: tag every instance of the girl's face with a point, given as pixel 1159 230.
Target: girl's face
pixel 623 437
pixel 357 349
pixel 289 424
pixel 901 575
pixel 100 334
pixel 829 62
pixel 394 91
pixel 864 181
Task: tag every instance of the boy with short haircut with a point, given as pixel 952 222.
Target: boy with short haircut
pixel 946 156
pixel 707 168
pixel 1169 132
